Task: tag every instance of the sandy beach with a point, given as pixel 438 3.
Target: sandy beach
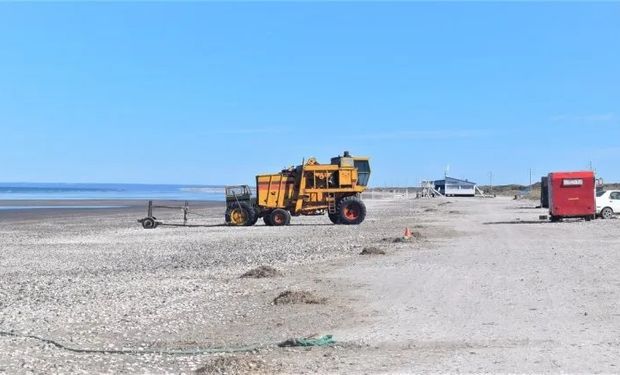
pixel 482 287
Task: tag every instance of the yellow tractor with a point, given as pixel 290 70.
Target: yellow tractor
pixel 308 189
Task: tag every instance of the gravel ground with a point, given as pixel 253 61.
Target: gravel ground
pixel 470 292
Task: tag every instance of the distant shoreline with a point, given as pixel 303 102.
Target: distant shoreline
pixel 42 209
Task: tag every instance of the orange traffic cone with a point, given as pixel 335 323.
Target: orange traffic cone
pixel 408 234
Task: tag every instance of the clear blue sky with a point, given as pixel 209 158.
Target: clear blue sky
pixel 215 93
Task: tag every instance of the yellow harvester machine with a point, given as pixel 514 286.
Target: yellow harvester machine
pixel 308 189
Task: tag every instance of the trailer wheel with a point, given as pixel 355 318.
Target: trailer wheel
pixel 351 210
pixel 148 223
pixel 279 217
pixel 607 213
pixel 267 219
pixel 335 218
pixel 239 214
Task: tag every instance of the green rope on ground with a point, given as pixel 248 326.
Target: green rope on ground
pixel 304 341
pixel 321 341
pixel 194 351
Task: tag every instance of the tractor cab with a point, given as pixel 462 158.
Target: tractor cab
pixel 240 206
pixel 238 193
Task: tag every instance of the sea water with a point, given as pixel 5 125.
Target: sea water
pixel 61 191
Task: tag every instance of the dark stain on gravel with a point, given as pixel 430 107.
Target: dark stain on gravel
pixel 372 251
pixel 236 365
pixel 262 272
pixel 294 297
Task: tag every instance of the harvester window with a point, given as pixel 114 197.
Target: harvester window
pixel 363 172
pixel 310 180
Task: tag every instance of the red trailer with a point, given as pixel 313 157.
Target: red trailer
pixel 572 194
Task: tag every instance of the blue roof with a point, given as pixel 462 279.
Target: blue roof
pixel 452 180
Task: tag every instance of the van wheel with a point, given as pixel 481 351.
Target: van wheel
pixel 607 213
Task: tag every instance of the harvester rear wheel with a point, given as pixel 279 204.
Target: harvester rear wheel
pixel 279 217
pixel 239 214
pixel 335 218
pixel 351 210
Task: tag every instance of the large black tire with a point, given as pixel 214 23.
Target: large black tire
pixel 148 223
pixel 256 216
pixel 351 210
pixel 267 219
pixel 239 214
pixel 607 213
pixel 279 217
pixel 335 218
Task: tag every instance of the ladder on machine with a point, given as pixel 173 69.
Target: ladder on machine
pixel 331 203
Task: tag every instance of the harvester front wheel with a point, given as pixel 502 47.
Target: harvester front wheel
pixel 279 217
pixel 239 214
pixel 351 210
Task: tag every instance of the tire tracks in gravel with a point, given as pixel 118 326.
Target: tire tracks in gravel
pixel 496 298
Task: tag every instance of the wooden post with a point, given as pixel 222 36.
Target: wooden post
pixel 185 210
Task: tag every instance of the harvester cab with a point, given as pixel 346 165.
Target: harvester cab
pixel 307 189
pixel 362 164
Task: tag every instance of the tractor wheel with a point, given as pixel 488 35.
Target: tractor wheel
pixel 255 217
pixel 279 217
pixel 607 213
pixel 239 214
pixel 148 223
pixel 351 210
pixel 335 218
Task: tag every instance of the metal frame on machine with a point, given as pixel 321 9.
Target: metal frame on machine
pixel 150 221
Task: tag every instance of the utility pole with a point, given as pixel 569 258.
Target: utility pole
pixel 491 181
pixel 530 177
